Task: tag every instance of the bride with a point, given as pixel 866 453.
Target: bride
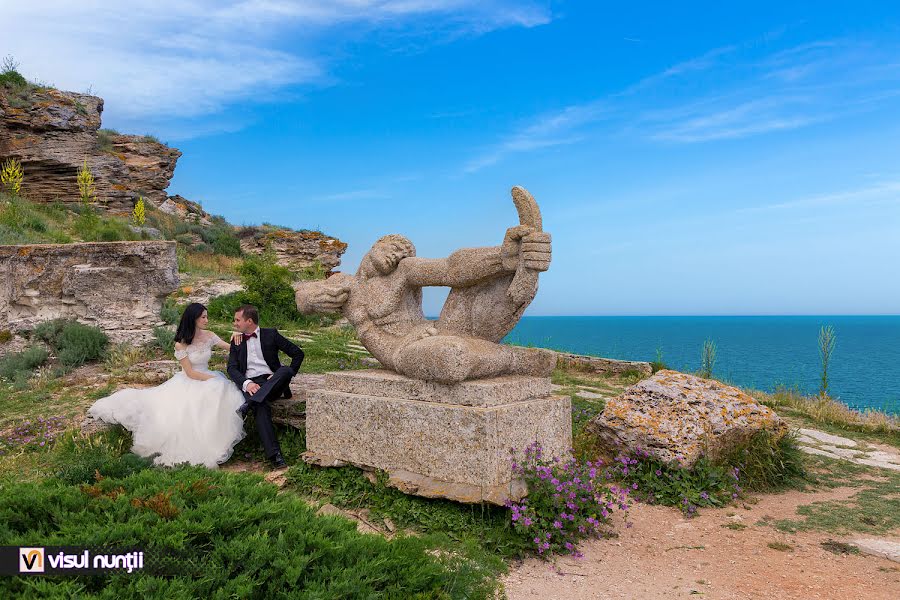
pixel 189 418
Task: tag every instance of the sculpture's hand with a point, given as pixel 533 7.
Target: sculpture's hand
pixel 511 248
pixel 536 251
pixel 323 296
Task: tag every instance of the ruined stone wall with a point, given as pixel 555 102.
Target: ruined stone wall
pixel 117 286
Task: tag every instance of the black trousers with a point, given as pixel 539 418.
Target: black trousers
pixel 270 388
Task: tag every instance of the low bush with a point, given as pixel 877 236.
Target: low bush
pixel 73 342
pixel 267 285
pixel 18 365
pixel 164 339
pixel 238 537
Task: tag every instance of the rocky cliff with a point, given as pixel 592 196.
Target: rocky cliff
pixel 53 133
pixel 296 250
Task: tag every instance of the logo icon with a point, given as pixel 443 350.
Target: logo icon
pixel 31 560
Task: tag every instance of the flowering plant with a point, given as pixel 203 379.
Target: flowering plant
pixel 655 482
pixel 32 435
pixel 567 500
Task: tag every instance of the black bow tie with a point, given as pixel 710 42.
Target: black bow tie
pixel 247 336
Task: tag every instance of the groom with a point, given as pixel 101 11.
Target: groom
pixel 255 369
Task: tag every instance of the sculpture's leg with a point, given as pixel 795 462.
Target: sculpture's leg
pixel 482 310
pixel 451 359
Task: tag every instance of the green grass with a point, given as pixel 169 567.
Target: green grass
pixel 780 546
pixel 874 509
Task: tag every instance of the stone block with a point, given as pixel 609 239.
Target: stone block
pixel 449 441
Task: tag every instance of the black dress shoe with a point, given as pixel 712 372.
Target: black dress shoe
pixel 243 410
pixel 278 461
pixel 287 395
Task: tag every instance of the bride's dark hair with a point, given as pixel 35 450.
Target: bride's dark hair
pixel 187 327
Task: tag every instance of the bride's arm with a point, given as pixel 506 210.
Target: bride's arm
pixel 185 363
pixel 217 341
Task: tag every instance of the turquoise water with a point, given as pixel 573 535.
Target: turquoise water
pixel 756 352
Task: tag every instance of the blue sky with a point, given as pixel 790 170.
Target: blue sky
pixel 706 158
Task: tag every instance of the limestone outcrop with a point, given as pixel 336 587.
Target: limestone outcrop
pixel 117 286
pixel 677 417
pixel 296 250
pixel 53 133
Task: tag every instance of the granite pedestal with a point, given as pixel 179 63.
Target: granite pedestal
pixel 436 440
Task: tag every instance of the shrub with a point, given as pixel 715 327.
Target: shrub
pixel 73 342
pixel 222 308
pixel 240 537
pixel 222 240
pixel 267 285
pixel 19 365
pixel 567 501
pixel 5 336
pixel 170 312
pixel 164 339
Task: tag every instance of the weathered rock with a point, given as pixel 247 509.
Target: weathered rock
pixel 435 440
pixel 602 366
pixel 185 209
pixel 677 417
pixel 117 286
pixel 295 250
pixel 53 133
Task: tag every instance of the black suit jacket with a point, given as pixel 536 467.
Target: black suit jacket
pixel 271 342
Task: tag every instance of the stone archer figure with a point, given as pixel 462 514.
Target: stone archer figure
pixel 490 289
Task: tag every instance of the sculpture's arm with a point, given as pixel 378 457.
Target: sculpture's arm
pixel 463 268
pixel 323 296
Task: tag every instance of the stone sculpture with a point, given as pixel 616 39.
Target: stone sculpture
pixel 441 421
pixel 490 289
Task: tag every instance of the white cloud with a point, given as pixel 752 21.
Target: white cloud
pixel 552 129
pixel 171 59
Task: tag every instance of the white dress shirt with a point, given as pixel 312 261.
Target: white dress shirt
pixel 256 364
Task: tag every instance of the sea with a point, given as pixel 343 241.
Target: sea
pixel 760 352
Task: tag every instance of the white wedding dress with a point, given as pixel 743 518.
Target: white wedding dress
pixel 183 419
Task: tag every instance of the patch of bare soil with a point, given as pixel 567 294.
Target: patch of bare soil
pixel 664 555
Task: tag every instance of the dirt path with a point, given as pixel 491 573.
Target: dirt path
pixel 664 555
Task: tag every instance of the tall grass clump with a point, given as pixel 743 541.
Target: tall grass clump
pixel 827 341
pixel 707 358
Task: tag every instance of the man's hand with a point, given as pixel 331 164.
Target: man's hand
pixel 252 387
pixel 323 296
